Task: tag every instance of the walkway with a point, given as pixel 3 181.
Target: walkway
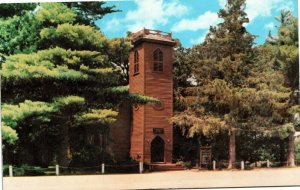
pixel 175 179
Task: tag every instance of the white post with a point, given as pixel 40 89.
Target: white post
pixel 268 163
pixel 57 169
pixel 10 168
pixel 102 168
pixel 214 165
pixel 242 165
pixel 141 167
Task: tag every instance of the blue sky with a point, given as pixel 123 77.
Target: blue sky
pixel 189 20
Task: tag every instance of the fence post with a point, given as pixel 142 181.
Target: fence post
pixel 141 167
pixel 103 168
pixel 57 169
pixel 242 165
pixel 214 165
pixel 268 163
pixel 10 168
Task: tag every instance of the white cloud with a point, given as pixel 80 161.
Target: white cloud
pixel 203 21
pixel 270 26
pixel 222 3
pixel 152 13
pixel 256 8
pixel 113 24
pixel 199 40
pixel 289 5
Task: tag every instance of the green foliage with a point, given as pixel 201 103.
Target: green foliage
pixel 288 30
pixel 68 101
pixel 234 86
pixel 88 12
pixel 46 69
pixel 12 114
pixel 221 92
pixel 52 14
pixel 87 155
pixel 134 98
pixel 15 9
pixel 120 47
pixel 9 135
pixel 61 77
pixel 183 63
pixel 18 34
pixel 192 125
pixel 100 117
pixel 78 37
pixel 56 63
pixel 25 170
pixel 119 89
pixel 38 113
pixel 141 99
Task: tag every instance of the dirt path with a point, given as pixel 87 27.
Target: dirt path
pixel 175 179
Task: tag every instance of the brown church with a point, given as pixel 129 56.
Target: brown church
pixel 144 132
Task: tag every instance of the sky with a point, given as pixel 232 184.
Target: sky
pixel 189 20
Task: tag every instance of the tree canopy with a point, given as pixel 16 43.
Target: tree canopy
pixel 66 79
pixel 237 87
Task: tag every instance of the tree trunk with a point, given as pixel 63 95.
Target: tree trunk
pixel 64 155
pixel 291 150
pixel 231 149
pixel 198 151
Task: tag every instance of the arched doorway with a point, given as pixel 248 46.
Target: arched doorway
pixel 157 150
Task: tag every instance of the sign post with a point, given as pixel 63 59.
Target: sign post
pixel 102 168
pixel 57 169
pixel 10 168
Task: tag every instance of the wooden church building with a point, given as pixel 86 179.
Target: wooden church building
pixel 143 132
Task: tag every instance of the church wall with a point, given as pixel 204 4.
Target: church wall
pixel 159 85
pixel 137 86
pixel 119 136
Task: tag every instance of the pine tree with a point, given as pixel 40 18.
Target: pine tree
pixel 18 33
pixel 245 90
pixel 286 62
pixel 72 75
pixel 288 59
pixel 223 68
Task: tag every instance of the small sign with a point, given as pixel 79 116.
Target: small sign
pixel 205 156
pixel 158 130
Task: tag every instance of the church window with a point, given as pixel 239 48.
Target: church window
pixel 136 62
pixel 158 60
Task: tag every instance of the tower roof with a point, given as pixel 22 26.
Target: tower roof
pixel 154 36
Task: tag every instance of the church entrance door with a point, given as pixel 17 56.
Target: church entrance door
pixel 157 150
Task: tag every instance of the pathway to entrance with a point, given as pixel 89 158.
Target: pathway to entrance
pixel 175 179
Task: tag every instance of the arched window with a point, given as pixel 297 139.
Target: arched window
pixel 136 62
pixel 157 60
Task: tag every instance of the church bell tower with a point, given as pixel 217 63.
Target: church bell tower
pixel 151 75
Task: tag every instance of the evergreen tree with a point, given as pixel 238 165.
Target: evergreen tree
pixel 223 64
pixel 119 56
pixel 19 33
pixel 15 9
pixel 244 90
pixel 288 61
pixel 72 78
pixel 88 12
